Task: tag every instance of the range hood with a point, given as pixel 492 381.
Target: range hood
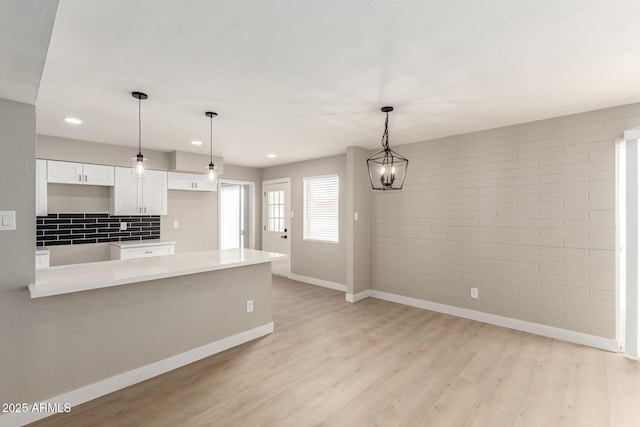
pixel 181 161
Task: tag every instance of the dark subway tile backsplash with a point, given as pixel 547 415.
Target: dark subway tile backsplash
pixel 81 228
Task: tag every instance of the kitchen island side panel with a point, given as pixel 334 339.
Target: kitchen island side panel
pixel 73 340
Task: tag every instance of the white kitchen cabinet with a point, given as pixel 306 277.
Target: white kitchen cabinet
pixel 133 196
pixel 190 182
pixel 98 174
pixel 79 173
pixel 41 187
pixel 130 250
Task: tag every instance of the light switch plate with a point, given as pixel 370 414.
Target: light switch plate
pixel 355 216
pixel 176 224
pixel 7 220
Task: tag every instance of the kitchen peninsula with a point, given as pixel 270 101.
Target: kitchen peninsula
pixel 82 277
pixel 120 322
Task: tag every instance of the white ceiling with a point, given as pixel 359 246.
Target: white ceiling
pixel 305 79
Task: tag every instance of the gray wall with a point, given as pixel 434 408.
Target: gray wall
pixel 17 193
pixel 358 195
pixel 196 212
pixel 524 213
pixel 326 261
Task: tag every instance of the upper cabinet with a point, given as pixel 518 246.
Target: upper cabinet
pixel 133 196
pixel 79 173
pixel 41 187
pixel 190 182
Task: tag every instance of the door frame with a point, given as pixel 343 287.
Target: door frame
pixel 627 240
pixel 252 209
pixel 287 182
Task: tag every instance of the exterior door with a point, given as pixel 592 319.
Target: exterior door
pixel 276 222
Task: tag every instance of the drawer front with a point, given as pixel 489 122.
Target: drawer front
pixel 146 252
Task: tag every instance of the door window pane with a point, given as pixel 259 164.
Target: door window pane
pixel 275 211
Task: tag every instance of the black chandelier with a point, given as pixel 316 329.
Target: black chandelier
pixel 387 168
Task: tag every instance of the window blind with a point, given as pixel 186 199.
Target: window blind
pixel 320 210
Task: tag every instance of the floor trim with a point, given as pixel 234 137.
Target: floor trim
pixel 357 297
pixel 319 282
pixel 507 322
pixel 120 381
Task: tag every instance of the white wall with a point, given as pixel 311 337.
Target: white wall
pixel 524 213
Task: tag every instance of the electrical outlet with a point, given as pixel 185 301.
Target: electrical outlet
pixel 176 224
pixel 250 306
pixel 123 226
pixel 474 293
pixel 355 216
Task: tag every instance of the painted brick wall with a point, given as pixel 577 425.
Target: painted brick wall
pixel 525 213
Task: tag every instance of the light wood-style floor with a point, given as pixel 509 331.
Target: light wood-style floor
pixel 376 363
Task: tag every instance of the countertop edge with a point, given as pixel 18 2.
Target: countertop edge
pixel 39 293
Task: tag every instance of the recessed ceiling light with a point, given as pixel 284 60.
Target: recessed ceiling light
pixel 196 142
pixel 271 156
pixel 73 120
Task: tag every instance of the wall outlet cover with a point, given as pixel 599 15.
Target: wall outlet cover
pixel 250 306
pixel 123 226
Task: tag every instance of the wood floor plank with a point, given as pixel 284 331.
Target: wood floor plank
pixel 379 364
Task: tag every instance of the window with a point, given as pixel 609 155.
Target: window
pixel 321 208
pixel 275 211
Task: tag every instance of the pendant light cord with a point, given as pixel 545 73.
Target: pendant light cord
pixel 385 135
pixel 211 141
pixel 139 127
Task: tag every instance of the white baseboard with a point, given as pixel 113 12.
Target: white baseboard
pixel 120 381
pixel 319 282
pixel 507 322
pixel 357 297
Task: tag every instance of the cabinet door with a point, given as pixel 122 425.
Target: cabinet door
pixel 127 193
pixel 64 172
pixel 154 193
pixel 201 183
pixel 98 175
pixel 41 187
pixel 180 181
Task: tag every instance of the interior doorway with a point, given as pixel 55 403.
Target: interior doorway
pixel 236 214
pixel 627 243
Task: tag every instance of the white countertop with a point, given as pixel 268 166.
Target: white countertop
pixel 83 277
pixel 142 244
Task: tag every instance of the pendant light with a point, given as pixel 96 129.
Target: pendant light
pixel 387 168
pixel 212 173
pixel 139 162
